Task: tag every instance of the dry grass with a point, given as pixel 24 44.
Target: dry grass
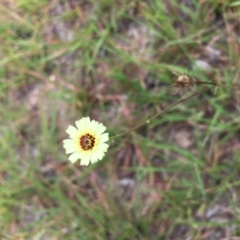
pixel 174 178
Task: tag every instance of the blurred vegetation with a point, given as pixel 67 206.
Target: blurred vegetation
pixel 174 178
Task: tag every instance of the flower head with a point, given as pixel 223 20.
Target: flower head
pixel 87 142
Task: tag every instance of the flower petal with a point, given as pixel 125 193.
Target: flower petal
pixel 101 129
pixel 94 158
pixel 85 160
pixel 100 155
pixel 86 122
pixel 70 150
pixel 74 157
pixel 66 141
pixel 79 124
pixel 103 147
pixel 72 131
pixel 104 138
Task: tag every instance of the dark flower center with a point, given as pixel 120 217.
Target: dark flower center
pixel 87 142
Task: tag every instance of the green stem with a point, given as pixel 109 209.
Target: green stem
pixel 157 115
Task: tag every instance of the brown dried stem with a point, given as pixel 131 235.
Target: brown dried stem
pixel 158 114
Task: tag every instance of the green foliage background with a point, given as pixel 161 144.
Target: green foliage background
pixel 174 178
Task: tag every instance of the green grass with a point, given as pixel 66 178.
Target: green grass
pixel 174 178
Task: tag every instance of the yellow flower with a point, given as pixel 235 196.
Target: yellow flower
pixel 87 141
